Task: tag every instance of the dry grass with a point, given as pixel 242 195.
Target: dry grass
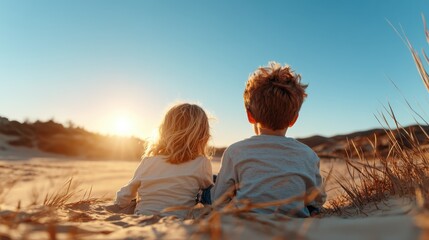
pixel 403 172
pixel 61 196
pixel 44 219
pixel 417 60
pixel 5 187
pixel 212 223
pixel 209 218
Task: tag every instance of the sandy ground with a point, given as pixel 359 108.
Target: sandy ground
pixel 43 175
pixel 38 174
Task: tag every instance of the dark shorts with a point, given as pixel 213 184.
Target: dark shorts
pixel 204 195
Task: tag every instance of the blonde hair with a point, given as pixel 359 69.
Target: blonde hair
pixel 274 95
pixel 183 134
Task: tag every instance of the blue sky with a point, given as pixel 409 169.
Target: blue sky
pixel 93 62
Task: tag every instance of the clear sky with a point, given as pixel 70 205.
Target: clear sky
pixel 116 66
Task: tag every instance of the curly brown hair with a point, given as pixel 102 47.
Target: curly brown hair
pixel 274 95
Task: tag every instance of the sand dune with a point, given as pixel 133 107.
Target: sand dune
pixel 94 218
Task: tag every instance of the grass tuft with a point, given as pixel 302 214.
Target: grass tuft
pixel 62 196
pixel 404 172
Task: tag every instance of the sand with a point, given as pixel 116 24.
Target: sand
pixel 91 216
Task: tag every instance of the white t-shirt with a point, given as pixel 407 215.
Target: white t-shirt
pixel 161 184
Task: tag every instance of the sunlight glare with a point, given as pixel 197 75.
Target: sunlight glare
pixel 155 135
pixel 123 126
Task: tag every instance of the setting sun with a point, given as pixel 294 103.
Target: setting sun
pixel 123 126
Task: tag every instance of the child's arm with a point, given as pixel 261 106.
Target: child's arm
pixel 225 183
pixel 207 177
pixel 127 193
pixel 321 197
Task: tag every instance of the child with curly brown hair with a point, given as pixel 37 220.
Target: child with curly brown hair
pixel 270 166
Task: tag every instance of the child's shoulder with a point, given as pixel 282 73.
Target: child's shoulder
pixel 202 159
pixel 267 142
pixel 153 160
pixel 303 148
pixel 242 144
pixel 253 143
pixel 302 145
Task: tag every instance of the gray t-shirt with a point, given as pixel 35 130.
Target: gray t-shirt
pixel 266 168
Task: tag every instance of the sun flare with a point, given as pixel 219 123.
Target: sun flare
pixel 123 126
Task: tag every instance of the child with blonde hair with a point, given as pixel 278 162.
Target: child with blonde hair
pixel 270 166
pixel 175 167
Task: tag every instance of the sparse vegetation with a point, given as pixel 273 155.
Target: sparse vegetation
pixel 403 171
pixel 53 137
pixel 50 219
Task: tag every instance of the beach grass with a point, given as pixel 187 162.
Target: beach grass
pixel 404 172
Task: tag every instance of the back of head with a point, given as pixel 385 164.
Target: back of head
pixel 183 134
pixel 274 95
